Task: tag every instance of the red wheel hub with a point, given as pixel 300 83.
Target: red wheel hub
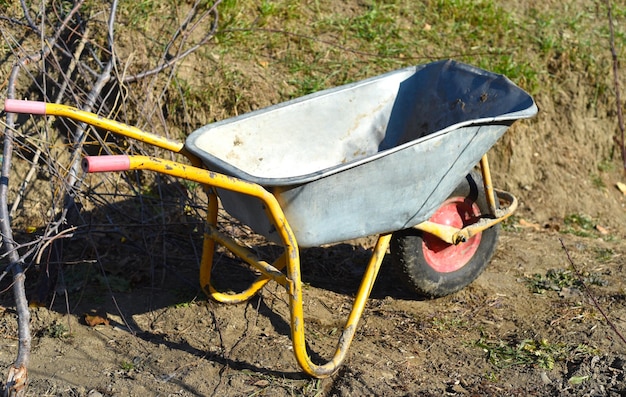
pixel 441 256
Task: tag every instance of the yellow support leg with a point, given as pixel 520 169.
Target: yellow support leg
pixel 208 244
pixel 211 235
pixel 488 185
pixel 268 272
pixel 297 320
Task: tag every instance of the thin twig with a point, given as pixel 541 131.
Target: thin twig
pixel 38 153
pixel 17 378
pixel 67 233
pixel 61 66
pixel 590 294
pixel 18 374
pixel 171 62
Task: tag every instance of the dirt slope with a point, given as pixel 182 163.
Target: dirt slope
pixel 526 327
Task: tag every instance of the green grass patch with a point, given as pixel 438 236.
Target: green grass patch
pixel 447 323
pixel 127 366
pixel 318 45
pixel 265 384
pixel 579 225
pixel 58 330
pixel 559 279
pixel 604 254
pixel 597 181
pixel 529 352
pixel 511 223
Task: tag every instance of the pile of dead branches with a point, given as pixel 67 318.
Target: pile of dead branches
pixel 68 52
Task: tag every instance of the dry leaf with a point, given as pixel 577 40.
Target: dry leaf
pixel 621 186
pixel 96 317
pixel 602 230
pixel 262 383
pixel 526 224
pixel 36 303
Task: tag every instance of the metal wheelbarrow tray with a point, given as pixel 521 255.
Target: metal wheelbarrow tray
pixel 392 155
pixel 371 157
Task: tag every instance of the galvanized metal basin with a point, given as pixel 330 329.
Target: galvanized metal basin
pixel 374 156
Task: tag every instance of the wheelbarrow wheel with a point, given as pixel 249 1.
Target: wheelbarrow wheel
pixel 434 268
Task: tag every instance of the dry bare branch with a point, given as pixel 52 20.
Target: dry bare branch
pixel 66 57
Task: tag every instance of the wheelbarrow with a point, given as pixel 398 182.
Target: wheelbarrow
pixel 394 156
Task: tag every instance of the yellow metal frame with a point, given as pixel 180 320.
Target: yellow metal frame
pixel 289 260
pixel 497 212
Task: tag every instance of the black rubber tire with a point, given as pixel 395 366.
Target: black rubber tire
pixel 413 268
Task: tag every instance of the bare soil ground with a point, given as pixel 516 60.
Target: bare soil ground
pixel 526 327
pixel 171 342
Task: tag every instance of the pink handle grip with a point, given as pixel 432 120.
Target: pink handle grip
pixel 106 163
pixel 28 107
